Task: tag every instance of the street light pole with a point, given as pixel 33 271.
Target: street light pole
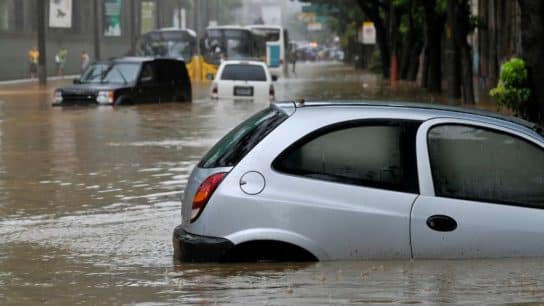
pixel 42 67
pixel 157 15
pixel 96 26
pixel 133 34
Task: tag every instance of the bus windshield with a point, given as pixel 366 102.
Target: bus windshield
pixel 221 44
pixel 176 44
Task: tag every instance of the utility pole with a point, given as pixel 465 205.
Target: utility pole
pixel 96 26
pixel 157 15
pixel 133 26
pixel 42 67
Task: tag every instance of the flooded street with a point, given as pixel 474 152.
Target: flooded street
pixel 89 197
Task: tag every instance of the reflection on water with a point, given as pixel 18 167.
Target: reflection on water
pixel 89 197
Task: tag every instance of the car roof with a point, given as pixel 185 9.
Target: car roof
pixel 173 29
pixel 243 62
pixel 227 27
pixel 265 26
pixel 427 109
pixel 136 59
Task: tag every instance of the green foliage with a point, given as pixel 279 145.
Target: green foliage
pixel 375 64
pixel 512 91
pixel 441 7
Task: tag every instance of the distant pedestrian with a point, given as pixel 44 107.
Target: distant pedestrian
pixel 60 60
pixel 85 59
pixel 33 55
pixel 293 57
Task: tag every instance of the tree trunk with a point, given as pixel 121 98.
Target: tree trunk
pixel 383 45
pixel 493 64
pixel 408 45
pixel 453 60
pixel 434 24
pixel 372 11
pixel 414 63
pixel 468 87
pixel 425 64
pixel 532 29
pixel 460 33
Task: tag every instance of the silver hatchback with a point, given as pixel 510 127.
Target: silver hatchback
pixel 367 180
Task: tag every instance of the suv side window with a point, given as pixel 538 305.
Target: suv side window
pixel 375 153
pixel 480 164
pixel 146 76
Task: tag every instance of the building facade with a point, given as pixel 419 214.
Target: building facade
pixel 19 26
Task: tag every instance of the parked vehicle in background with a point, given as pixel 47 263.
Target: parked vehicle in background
pixel 128 80
pixel 277 46
pixel 367 180
pixel 243 80
pixel 170 43
pixel 228 42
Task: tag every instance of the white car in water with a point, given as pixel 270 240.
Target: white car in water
pixel 367 180
pixel 238 79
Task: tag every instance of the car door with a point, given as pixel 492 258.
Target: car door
pixel 167 78
pixel 354 184
pixel 482 192
pixel 148 86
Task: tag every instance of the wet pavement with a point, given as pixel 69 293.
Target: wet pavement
pixel 89 197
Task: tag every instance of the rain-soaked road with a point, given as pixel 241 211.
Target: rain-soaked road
pixel 89 198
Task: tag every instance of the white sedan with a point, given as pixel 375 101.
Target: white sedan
pixel 242 80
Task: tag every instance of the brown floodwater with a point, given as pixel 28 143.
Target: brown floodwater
pixel 89 197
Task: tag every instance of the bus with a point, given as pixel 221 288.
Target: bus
pixel 216 44
pixel 277 46
pixel 228 42
pixel 170 42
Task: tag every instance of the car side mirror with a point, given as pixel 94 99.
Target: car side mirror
pixel 76 81
pixel 274 78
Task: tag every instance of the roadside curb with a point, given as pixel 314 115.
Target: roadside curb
pixel 53 78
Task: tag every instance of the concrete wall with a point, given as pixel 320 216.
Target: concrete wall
pixel 18 34
pixel 14 61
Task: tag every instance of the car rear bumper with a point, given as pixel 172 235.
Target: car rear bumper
pixel 195 248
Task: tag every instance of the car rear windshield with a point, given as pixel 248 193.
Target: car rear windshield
pixel 238 142
pixel 243 72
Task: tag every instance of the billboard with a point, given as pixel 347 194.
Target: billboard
pixel 368 33
pixel 148 16
pixel 112 17
pixel 60 13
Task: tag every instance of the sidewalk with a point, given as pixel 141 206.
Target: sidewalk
pixel 51 78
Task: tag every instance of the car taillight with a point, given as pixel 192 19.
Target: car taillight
pixel 214 89
pixel 204 193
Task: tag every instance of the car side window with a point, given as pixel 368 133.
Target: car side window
pixel 146 76
pixel 485 165
pixel 378 154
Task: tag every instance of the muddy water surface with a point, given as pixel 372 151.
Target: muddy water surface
pixel 89 198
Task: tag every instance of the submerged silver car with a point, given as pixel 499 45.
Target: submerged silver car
pixel 367 180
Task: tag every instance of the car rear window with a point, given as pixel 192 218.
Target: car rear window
pixel 243 72
pixel 238 142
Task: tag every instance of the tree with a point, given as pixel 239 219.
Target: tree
pixel 532 26
pixel 434 12
pixel 378 12
pixel 459 57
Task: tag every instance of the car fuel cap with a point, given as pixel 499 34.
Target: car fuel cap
pixel 252 183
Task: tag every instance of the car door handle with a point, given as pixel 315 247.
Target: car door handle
pixel 441 223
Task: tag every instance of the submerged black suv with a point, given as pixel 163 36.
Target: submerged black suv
pixel 128 80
